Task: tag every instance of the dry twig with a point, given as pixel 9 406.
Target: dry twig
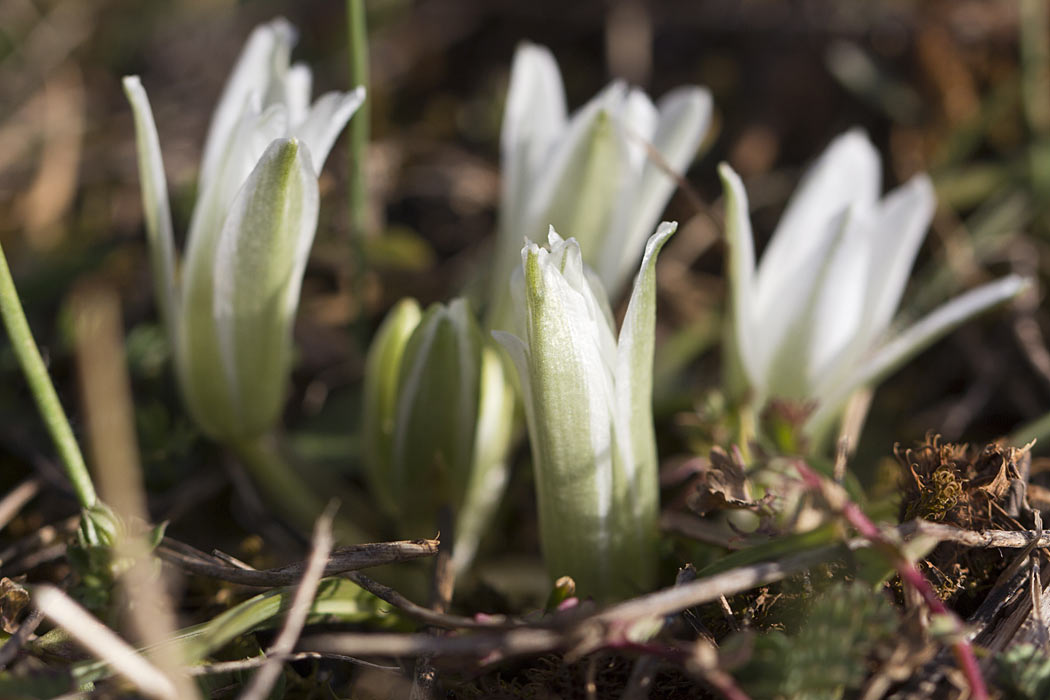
pixel 262 682
pixel 352 558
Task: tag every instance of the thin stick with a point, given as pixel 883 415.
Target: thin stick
pixel 12 646
pixel 571 631
pixel 257 661
pixel 426 615
pixel 16 498
pixel 424 683
pixel 359 556
pixel 262 682
pixel 43 390
pixel 103 642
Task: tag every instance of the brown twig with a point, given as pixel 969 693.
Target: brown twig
pixel 986 539
pixel 257 661
pixel 579 634
pixel 352 558
pixel 424 682
pixel 262 682
pixel 16 498
pixel 426 615
pixel 12 646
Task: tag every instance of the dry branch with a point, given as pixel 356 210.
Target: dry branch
pixel 352 558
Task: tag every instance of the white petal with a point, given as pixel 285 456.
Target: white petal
pixel 684 117
pixel 254 133
pixel 252 74
pixel 298 83
pixel 488 475
pixel 155 204
pixel 634 372
pixel 794 338
pixel 579 190
pixel 916 338
pixel 534 116
pixel 846 174
pixel 839 306
pixel 572 389
pixel 900 224
pixel 258 268
pixel 533 120
pixel 326 121
pixel 744 343
pixel 639 119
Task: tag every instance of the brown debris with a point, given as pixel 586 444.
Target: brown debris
pixel 970 488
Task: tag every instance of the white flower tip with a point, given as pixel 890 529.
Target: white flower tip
pixel 664 231
pixel 282 30
pixel 553 239
pixel 529 51
pixel 131 82
pixel 1017 285
pixel 853 146
pixel 731 182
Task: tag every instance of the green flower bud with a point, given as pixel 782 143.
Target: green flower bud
pixel 438 421
pixel 588 403
pixel 230 315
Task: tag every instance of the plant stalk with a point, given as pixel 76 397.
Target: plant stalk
pixel 361 124
pixel 43 389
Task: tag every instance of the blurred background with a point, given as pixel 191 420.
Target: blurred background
pixel 958 88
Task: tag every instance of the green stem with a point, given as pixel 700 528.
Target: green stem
pixel 43 390
pixel 360 124
pixel 287 488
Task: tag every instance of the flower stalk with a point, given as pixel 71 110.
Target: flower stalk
pixel 43 390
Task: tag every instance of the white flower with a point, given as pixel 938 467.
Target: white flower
pixel 229 316
pixel 592 174
pixel 588 404
pixel 811 323
pixel 438 421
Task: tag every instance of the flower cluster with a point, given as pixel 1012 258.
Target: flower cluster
pixel 812 323
pixel 229 316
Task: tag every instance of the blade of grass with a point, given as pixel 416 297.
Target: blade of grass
pixel 43 390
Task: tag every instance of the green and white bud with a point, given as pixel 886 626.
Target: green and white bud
pixel 588 404
pixel 229 317
pixel 601 172
pixel 438 421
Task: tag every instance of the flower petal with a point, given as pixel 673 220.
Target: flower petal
pixel 258 268
pixel 846 174
pixel 297 86
pixel 326 121
pixel 742 345
pixel 382 369
pixel 916 338
pixel 267 49
pixel 163 258
pixel 684 118
pixel 534 117
pixel 573 395
pixel 437 411
pixel 900 223
pixel 488 474
pixel 584 178
pixel 634 380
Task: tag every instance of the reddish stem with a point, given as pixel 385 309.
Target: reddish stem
pixel 908 572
